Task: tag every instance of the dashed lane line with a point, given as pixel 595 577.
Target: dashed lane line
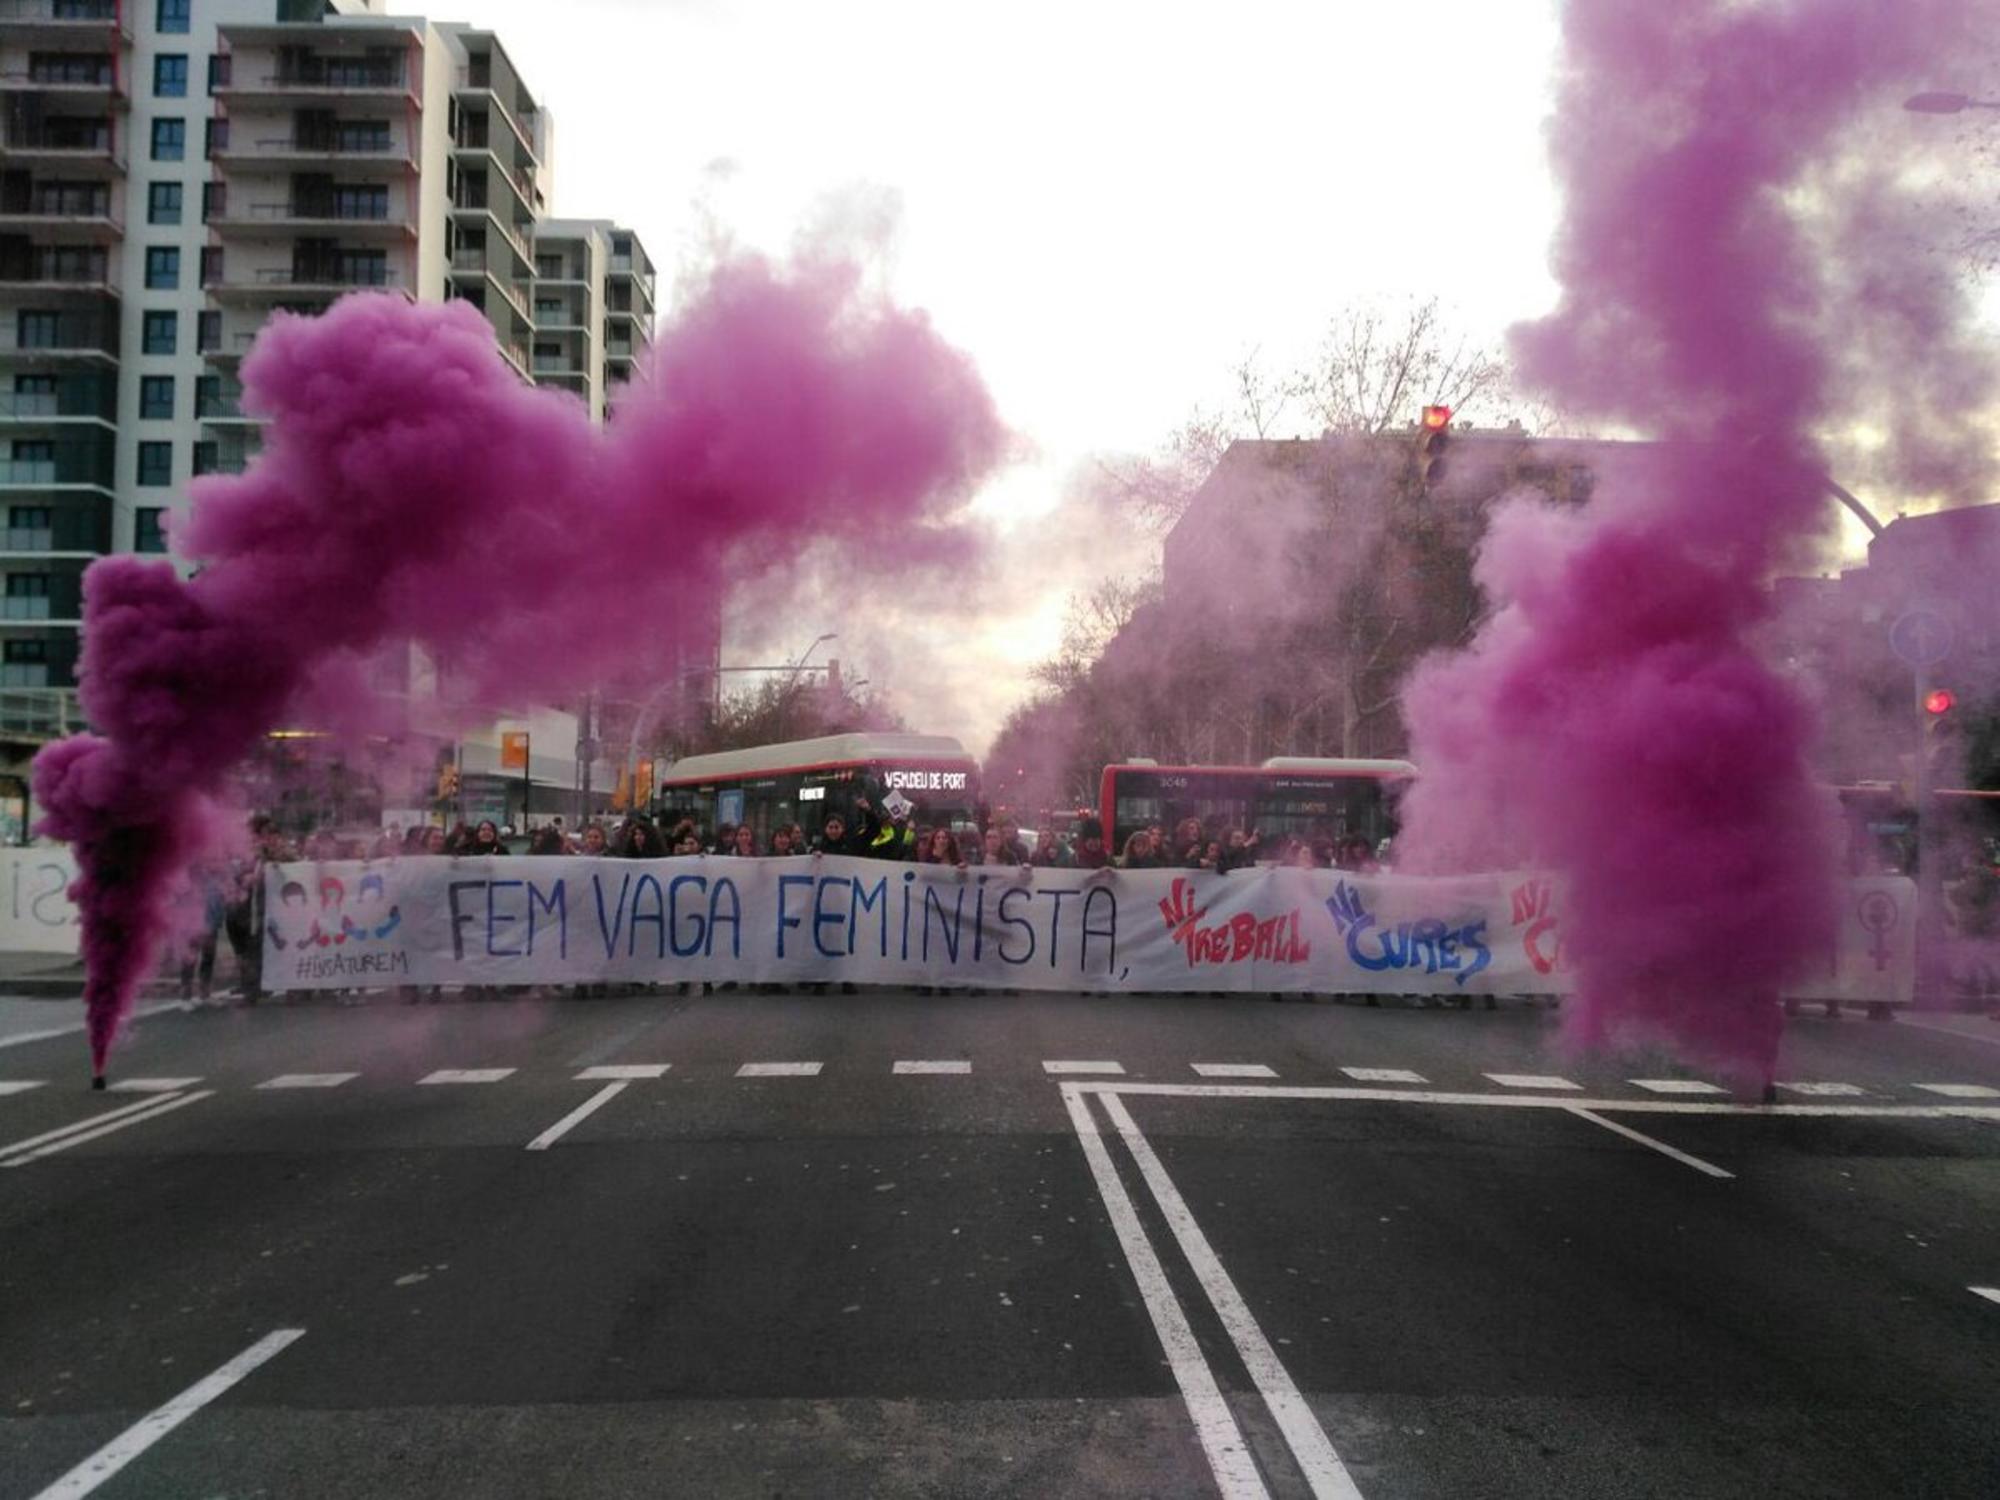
pixel 156 1424
pixel 153 1085
pixel 101 1125
pixel 467 1075
pixel 1990 1293
pixel 1676 1086
pixel 605 1072
pixel 1060 1066
pixel 1707 1167
pixel 19 1085
pixel 576 1116
pixel 1384 1075
pixel 308 1080
pixel 937 1066
pixel 136 1107
pixel 1961 1090
pixel 1547 1082
pixel 1824 1090
pixel 779 1070
pixel 1233 1070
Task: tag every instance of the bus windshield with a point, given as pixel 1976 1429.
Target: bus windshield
pixel 1343 801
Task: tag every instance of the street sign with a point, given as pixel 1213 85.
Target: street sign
pixel 1921 637
pixel 514 750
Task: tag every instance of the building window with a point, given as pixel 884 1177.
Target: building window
pixel 156 398
pixel 148 535
pixel 211 268
pixel 163 268
pixel 163 203
pixel 214 201
pixel 173 16
pixel 169 138
pixel 207 457
pixel 160 333
pixel 218 71
pixel 207 324
pixel 207 394
pixel 38 328
pixel 156 464
pixel 214 137
pixel 170 75
pixel 27 596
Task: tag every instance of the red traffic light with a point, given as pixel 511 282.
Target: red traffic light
pixel 1939 701
pixel 1436 418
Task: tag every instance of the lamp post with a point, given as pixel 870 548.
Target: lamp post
pixel 1941 103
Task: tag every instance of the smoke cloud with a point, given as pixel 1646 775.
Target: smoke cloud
pixel 412 490
pixel 1613 721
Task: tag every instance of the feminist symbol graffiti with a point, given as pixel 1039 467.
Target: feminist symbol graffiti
pixel 1879 916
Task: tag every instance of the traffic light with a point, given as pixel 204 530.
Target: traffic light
pixel 1937 703
pixel 642 785
pixel 1434 437
pixel 447 783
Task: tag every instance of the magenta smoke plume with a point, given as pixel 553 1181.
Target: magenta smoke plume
pixel 1612 722
pixel 412 489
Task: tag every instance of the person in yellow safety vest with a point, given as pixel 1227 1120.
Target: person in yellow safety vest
pixel 895 839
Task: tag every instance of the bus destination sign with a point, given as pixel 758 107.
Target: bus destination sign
pixel 925 781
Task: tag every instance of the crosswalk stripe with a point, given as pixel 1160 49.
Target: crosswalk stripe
pixel 1675 1086
pixel 308 1080
pixel 779 1070
pixel 467 1075
pixel 1059 1065
pixel 19 1085
pixel 1384 1075
pixel 1546 1082
pixel 939 1066
pixel 622 1071
pixel 153 1085
pixel 1824 1090
pixel 1233 1070
pixel 1961 1090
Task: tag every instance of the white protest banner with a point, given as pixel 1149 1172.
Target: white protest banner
pixel 35 911
pixel 576 920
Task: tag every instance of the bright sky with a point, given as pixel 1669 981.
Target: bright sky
pixel 1108 204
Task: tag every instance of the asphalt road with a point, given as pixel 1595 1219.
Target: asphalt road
pixel 1287 1249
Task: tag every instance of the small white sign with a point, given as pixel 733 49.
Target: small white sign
pixel 896 805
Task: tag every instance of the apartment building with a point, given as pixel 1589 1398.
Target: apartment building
pixel 173 172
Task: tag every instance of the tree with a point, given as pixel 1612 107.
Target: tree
pixel 1377 368
pixel 790 708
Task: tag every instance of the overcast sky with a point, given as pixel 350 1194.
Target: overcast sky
pixel 1107 204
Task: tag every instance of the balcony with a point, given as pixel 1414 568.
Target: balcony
pixel 355 155
pixel 309 280
pixel 222 407
pixel 363 224
pixel 62 22
pixel 479 91
pixel 29 339
pixel 73 466
pixel 294 80
pixel 92 80
pixel 75 399
pixel 625 272
pixel 61 143
pixel 73 525
pixel 472 267
pixel 473 208
pixel 516 354
pixel 61 211
pixel 42 713
pixel 42 274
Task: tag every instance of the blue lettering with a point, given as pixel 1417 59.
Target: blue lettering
pixel 1055 919
pixel 609 930
pixel 657 916
pixel 717 916
pixel 495 917
pixel 864 899
pixel 556 905
pixel 1109 932
pixel 694 944
pixel 1009 919
pixel 785 920
pixel 459 918
pixel 822 918
pixel 947 929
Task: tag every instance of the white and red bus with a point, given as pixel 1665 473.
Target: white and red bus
pixel 1288 796
pixel 773 786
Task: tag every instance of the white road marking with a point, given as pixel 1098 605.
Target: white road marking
pixel 946 1065
pixel 1961 1090
pixel 22 1038
pixel 1675 1086
pixel 1824 1090
pixel 153 1085
pixel 1322 1467
pixel 1229 1458
pixel 779 1070
pixel 104 1124
pixel 1657 1145
pixel 1384 1075
pixel 1628 1106
pixel 19 1085
pixel 1990 1293
pixel 604 1071
pixel 156 1424
pixel 1532 1081
pixel 467 1075
pixel 308 1080
pixel 86 1123
pixel 1082 1067
pixel 589 1106
pixel 1233 1070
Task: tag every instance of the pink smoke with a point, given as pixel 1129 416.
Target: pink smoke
pixel 1612 721
pixel 412 490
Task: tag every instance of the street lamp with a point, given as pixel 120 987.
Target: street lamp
pixel 1939 103
pixel 785 694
